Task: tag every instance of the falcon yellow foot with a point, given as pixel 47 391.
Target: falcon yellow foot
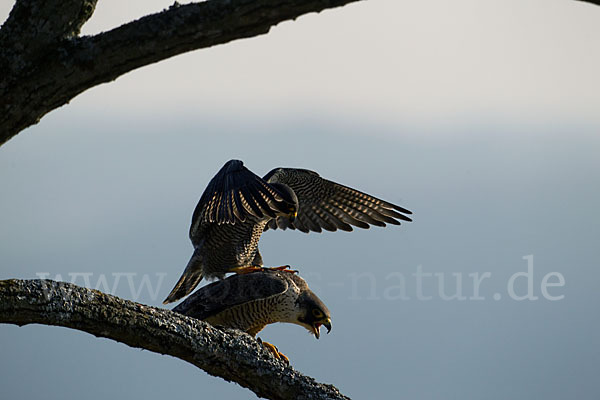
pixel 246 270
pixel 273 349
pixel 284 268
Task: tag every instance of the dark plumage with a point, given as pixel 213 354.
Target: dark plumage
pixel 237 206
pixel 251 301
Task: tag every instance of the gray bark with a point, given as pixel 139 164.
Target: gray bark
pixel 229 354
pixel 44 63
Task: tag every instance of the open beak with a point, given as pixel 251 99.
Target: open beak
pixel 316 327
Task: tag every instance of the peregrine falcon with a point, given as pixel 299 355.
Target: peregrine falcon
pixel 251 301
pixel 237 206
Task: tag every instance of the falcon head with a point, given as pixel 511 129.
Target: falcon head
pixel 289 206
pixel 312 313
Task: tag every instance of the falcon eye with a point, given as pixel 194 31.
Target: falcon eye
pixel 317 313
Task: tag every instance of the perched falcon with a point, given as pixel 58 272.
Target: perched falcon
pixel 251 301
pixel 237 206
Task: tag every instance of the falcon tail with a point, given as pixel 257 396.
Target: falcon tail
pixel 189 280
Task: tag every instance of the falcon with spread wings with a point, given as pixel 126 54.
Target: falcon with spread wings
pixel 237 206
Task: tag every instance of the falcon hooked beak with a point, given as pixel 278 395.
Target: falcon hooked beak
pixel 317 326
pixel 290 212
pixel 312 313
pixel 293 215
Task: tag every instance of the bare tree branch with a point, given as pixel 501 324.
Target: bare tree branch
pixel 44 63
pixel 229 354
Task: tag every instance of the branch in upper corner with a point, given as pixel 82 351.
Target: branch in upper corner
pixel 32 87
pixel 596 2
pixel 230 354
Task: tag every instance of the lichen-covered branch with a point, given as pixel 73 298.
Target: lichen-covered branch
pixel 44 63
pixel 229 354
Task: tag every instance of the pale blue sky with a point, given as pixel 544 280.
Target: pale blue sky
pixel 480 116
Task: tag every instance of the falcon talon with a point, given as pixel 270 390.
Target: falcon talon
pixel 246 270
pixel 284 358
pixel 284 268
pixel 273 349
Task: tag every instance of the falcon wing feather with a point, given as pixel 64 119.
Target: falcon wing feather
pixel 235 193
pixel 324 204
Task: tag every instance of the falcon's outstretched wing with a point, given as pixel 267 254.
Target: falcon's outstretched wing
pixel 232 291
pixel 234 193
pixel 324 204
